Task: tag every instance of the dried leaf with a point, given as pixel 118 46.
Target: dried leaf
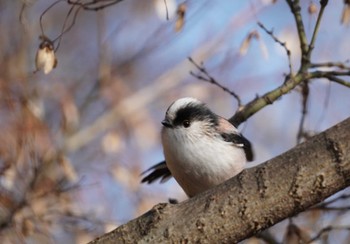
pixel 247 41
pixel 345 19
pixel 312 9
pixel 180 21
pixel 45 59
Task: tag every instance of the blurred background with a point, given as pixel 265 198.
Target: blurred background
pixel 74 142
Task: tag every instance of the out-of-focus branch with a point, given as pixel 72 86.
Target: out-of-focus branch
pixel 125 108
pixel 328 229
pixel 340 65
pixel 267 237
pixel 94 5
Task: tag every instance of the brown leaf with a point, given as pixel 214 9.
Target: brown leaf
pixel 247 41
pixel 345 18
pixel 180 21
pixel 312 9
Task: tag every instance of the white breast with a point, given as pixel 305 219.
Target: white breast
pixel 200 162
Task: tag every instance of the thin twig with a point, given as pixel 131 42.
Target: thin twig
pixel 339 65
pixel 331 75
pixel 211 80
pixel 43 13
pixel 94 5
pixel 283 44
pixel 328 229
pixel 64 29
pixel 317 25
pixel 305 90
pixel 166 10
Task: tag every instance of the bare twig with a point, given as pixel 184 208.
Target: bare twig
pixel 64 29
pixel 166 10
pixel 283 44
pixel 328 229
pixel 331 75
pixel 305 96
pixel 207 77
pixel 94 5
pixel 339 65
pixel 317 26
pixel 43 13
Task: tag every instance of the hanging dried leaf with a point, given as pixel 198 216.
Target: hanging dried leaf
pixel 345 19
pixel 45 59
pixel 312 9
pixel 246 42
pixel 180 21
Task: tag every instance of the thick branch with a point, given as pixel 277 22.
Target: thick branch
pixel 254 200
pixel 268 98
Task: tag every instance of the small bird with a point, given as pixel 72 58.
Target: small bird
pixel 201 148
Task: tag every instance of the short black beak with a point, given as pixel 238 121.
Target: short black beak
pixel 167 123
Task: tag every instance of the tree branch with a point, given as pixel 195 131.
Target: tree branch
pixel 254 200
pixel 266 99
pixel 304 47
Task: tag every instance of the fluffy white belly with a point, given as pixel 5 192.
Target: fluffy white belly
pixel 197 167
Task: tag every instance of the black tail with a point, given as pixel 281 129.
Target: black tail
pixel 159 171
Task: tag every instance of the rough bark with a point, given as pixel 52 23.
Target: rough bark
pixel 257 198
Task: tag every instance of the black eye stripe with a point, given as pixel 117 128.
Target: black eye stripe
pixel 192 112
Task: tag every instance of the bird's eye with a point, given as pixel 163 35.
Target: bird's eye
pixel 186 123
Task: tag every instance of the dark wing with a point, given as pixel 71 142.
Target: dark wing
pixel 159 171
pixel 230 134
pixel 240 141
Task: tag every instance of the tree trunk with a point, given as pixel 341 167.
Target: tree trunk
pixel 254 200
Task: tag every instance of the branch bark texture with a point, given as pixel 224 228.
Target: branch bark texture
pixel 256 199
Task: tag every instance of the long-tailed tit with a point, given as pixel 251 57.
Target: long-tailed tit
pixel 201 148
